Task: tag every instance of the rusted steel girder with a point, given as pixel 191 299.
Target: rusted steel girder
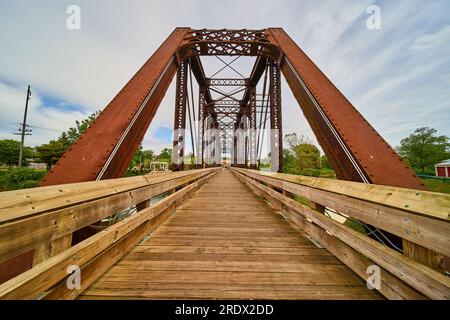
pixel 107 147
pixel 252 131
pixel 228 42
pixel 356 151
pixel 201 127
pixel 179 127
pixel 276 130
pixel 354 148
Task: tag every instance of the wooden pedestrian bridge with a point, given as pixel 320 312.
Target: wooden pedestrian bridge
pixel 221 233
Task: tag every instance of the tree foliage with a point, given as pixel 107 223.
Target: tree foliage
pixel 142 157
pixel 51 152
pixel 80 127
pixel 165 155
pixel 9 153
pixel 301 157
pixel 423 149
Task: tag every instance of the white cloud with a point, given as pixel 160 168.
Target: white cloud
pixel 88 67
pixel 432 40
pixel 52 120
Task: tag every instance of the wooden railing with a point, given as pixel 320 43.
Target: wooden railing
pixel 44 219
pixel 418 216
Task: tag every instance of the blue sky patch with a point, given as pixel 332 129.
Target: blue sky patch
pixel 163 134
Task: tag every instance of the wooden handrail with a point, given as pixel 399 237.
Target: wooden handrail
pixel 421 202
pixel 34 217
pixel 98 253
pixel 422 220
pixel 420 217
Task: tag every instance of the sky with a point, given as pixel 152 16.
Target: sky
pixel 397 76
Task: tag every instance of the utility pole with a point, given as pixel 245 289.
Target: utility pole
pixel 24 129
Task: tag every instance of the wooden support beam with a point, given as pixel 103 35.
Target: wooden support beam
pixel 47 250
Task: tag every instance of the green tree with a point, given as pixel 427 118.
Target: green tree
pixel 165 155
pixel 9 153
pixel 80 127
pixel 307 156
pixel 51 152
pixel 302 157
pixel 142 157
pixel 137 158
pixel 324 163
pixel 423 149
pixel 289 161
pixel 148 156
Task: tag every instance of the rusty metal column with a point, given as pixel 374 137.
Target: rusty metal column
pixel 245 126
pixel 276 132
pixel 234 150
pixel 240 143
pixel 179 127
pixel 252 132
pixel 218 149
pixel 207 151
pixel 201 129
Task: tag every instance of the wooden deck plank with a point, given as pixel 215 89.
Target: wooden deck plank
pixel 227 243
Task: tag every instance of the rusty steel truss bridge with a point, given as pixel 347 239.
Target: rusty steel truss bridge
pixel 210 230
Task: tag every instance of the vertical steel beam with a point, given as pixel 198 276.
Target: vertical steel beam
pixel 234 151
pixel 105 150
pixel 201 128
pixel 179 127
pixel 276 132
pixel 207 150
pixel 246 150
pixel 217 145
pixel 252 132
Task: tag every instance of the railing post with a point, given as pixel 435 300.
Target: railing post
pixel 47 250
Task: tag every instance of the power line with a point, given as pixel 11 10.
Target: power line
pixel 45 128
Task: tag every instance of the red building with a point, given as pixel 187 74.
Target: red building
pixel 443 169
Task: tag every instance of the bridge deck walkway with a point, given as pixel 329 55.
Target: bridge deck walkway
pixel 227 243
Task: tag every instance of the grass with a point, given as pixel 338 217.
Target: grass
pixel 437 186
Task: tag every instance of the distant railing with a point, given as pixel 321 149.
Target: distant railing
pixel 429 177
pixel 44 219
pixel 420 217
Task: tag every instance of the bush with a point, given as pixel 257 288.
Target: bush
pixel 20 178
pixel 310 172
